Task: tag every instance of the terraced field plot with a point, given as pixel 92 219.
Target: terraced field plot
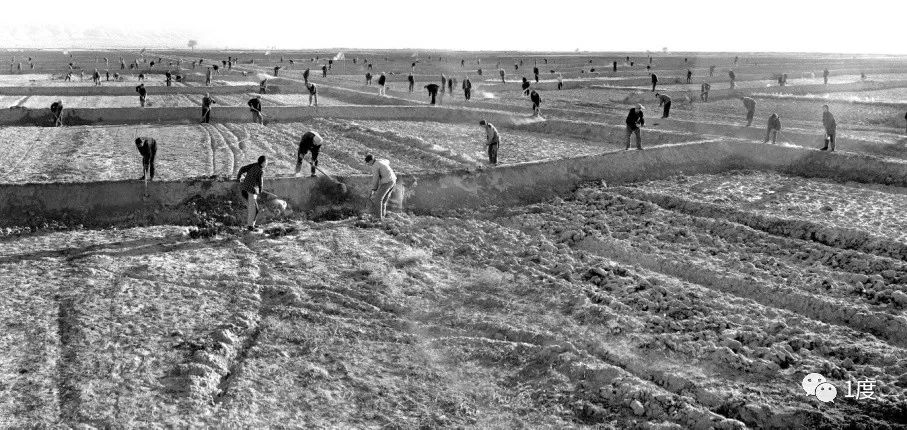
pixel 610 307
pixel 90 153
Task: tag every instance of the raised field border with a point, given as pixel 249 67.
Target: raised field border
pixel 104 203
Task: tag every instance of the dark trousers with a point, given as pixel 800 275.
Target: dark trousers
pixel 631 131
pixel 148 165
pixel 829 140
pixel 206 115
pixel 411 85
pixel 493 153
pixel 653 85
pixel 771 133
pixel 142 100
pixel 667 110
pixel 433 95
pixel 467 93
pixel 536 78
pixel 749 117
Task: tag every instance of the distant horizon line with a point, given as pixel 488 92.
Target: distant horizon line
pixel 341 49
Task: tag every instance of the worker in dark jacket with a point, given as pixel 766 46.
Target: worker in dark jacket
pixel 525 86
pixel 432 91
pixel 634 121
pixel 467 88
pixel 368 78
pixel 255 107
pixel 251 179
pixel 825 76
pixel 206 107
pixel 733 77
pixel 654 82
pixel 664 100
pixel 535 71
pixel 501 72
pixel 750 106
pixel 313 93
pixel 382 90
pixel 536 102
pixel 142 93
pixel 774 126
pixel 412 82
pixel 305 75
pixel 324 71
pixel 828 120
pixel 56 108
pixel 148 149
pixel 311 142
pixel 689 76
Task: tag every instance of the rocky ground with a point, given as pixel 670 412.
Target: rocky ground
pixel 643 306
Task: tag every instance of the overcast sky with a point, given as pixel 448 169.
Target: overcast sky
pixel 868 26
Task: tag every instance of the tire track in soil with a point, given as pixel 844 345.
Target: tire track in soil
pixel 210 141
pixel 232 144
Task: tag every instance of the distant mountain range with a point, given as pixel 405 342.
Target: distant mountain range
pixel 58 36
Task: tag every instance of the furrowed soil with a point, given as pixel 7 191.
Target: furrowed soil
pixel 616 307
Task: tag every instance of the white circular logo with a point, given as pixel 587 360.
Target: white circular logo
pixel 811 381
pixel 826 392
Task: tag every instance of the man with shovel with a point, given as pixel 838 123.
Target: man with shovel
pixel 383 182
pixel 206 108
pixel 313 93
pixel 251 182
pixel 56 108
pixel 311 142
pixel 255 107
pixel 147 149
pixel 142 93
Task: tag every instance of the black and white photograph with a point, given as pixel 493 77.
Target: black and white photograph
pixel 453 215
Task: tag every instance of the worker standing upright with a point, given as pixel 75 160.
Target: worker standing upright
pixel 733 77
pixel 525 86
pixel 704 92
pixel 467 88
pixel 828 121
pixel 501 72
pixel 412 82
pixel 689 76
pixel 654 82
pixel 535 71
pixel 825 76
pixel 305 75
pixel 324 71
pixel 492 141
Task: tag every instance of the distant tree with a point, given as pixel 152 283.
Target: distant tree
pixel 192 44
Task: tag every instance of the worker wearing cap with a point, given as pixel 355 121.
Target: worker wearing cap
pixel 311 142
pixel 383 182
pixel 634 121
